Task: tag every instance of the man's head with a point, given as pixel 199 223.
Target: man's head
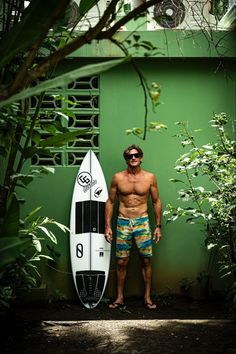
pixel 132 154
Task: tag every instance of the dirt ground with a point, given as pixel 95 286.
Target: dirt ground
pixel 178 325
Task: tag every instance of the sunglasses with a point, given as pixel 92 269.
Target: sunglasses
pixel 130 156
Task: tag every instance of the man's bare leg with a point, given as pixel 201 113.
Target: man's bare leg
pixel 147 277
pixel 121 272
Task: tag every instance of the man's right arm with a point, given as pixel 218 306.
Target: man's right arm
pixel 109 209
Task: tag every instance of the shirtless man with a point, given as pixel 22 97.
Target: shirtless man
pixel 132 187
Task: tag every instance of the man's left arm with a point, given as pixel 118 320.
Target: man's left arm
pixel 157 208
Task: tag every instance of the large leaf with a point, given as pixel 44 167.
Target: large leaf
pixel 65 79
pixel 10 225
pixel 32 150
pixel 63 138
pixel 25 32
pixel 10 248
pixel 86 5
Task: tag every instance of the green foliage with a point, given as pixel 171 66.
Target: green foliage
pixel 231 300
pixel 152 127
pixel 136 43
pixel 21 241
pixel 26 31
pixel 197 287
pixel 57 296
pixel 202 277
pixel 86 5
pixel 45 40
pixel 213 203
pixel 64 79
pixel 20 253
pixel 185 284
pixel 154 93
pixel 21 139
pixel 6 296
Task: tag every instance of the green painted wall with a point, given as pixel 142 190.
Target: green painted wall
pixel 192 89
pixel 169 44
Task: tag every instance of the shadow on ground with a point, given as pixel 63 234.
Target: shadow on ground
pixel 177 326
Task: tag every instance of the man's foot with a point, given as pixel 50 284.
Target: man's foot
pixel 116 305
pixel 150 305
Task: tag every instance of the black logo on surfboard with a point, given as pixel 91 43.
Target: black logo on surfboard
pixel 97 192
pixel 84 179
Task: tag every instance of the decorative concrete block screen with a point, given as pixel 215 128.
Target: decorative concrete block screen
pixel 75 107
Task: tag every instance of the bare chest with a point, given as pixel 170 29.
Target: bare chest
pixel 134 185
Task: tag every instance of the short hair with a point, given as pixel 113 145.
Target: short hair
pixel 131 147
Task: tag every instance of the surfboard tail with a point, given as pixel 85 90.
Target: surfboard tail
pixel 90 286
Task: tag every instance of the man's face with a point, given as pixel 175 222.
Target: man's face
pixel 133 158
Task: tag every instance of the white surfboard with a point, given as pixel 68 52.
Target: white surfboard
pixel 90 252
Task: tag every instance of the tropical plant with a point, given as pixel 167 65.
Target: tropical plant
pixel 20 240
pixel 30 27
pixel 185 284
pixel 213 203
pixel 20 250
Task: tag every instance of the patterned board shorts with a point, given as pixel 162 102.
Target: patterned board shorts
pixel 137 229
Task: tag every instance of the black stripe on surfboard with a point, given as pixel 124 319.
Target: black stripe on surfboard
pixel 90 217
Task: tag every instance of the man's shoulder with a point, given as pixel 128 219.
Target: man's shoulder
pixel 148 173
pixel 119 175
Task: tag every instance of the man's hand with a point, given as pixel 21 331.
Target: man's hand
pixel 108 234
pixel 157 235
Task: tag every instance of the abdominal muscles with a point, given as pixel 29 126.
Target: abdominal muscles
pixel 132 206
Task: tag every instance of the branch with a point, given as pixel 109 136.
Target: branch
pixel 60 54
pixel 21 78
pixel 93 33
pixel 131 15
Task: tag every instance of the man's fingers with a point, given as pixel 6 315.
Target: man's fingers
pixel 156 238
pixel 108 238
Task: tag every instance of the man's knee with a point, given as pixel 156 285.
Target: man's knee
pixel 122 263
pixel 146 262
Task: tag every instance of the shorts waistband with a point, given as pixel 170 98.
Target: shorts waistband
pixel 144 217
pixel 132 221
